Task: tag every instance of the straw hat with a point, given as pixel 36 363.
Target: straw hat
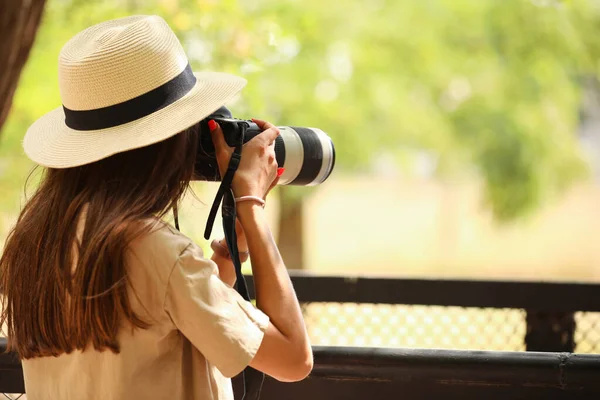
pixel 124 84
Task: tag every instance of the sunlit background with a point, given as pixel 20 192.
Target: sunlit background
pixel 467 132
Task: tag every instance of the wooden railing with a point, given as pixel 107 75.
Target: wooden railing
pixel 368 373
pixel 373 374
pixel 383 373
pixel 549 306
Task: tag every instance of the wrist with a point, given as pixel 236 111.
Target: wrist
pixel 241 243
pixel 242 190
pixel 249 212
pixel 220 248
pixel 254 199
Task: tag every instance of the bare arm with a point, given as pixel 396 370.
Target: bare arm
pixel 285 352
pixel 225 265
pixel 226 270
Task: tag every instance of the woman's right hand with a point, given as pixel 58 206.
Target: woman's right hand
pixel 257 173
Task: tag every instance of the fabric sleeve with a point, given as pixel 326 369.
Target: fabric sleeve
pixel 224 327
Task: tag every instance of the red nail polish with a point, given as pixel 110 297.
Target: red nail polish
pixel 212 125
pixel 280 171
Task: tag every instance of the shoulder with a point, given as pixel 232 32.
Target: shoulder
pixel 160 246
pixel 160 236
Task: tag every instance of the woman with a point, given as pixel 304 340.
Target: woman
pixel 102 299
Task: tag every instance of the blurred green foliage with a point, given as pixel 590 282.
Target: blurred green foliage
pixel 485 87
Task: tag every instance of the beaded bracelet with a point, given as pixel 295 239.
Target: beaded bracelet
pixel 223 251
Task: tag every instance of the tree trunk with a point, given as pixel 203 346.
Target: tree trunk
pixel 291 230
pixel 19 21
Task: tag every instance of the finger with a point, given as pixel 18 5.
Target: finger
pixel 222 149
pixel 264 125
pixel 269 135
pixel 273 184
pixel 216 134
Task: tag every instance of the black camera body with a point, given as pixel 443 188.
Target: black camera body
pixel 307 154
pixel 232 128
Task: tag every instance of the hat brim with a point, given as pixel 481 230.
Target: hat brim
pixel 51 143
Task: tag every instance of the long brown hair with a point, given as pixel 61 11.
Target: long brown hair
pixel 54 305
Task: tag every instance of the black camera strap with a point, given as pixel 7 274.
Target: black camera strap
pixel 224 188
pixel 253 379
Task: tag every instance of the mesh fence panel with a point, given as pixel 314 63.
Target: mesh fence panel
pixel 587 332
pixel 414 326
pixel 442 327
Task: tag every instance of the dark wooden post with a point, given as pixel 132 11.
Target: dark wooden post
pixel 550 331
pixel 291 229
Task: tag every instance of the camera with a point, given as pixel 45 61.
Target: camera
pixel 307 154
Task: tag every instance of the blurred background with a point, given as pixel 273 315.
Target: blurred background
pixel 467 136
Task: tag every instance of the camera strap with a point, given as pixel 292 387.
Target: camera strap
pixel 253 379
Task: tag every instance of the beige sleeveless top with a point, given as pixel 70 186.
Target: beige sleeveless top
pixel 202 333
